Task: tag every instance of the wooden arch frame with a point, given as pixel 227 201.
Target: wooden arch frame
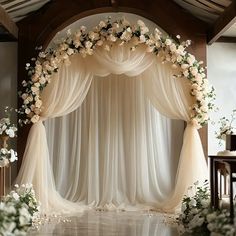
pixel 39 29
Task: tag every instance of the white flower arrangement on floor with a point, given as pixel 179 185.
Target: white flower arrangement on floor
pixel 18 210
pixel 7 128
pixel 226 127
pixel 199 218
pixel 7 156
pixel 105 35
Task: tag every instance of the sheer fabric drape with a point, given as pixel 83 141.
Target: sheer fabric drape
pixel 68 90
pixel 116 150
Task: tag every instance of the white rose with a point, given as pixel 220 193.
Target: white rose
pixel 38 103
pixel 4 162
pixel 142 38
pixel 4 127
pixel 193 71
pixel 102 24
pixel 172 47
pixel 194 211
pixel 140 23
pixel 10 226
pixel 24 220
pixel 70 51
pixel 129 30
pixel 42 54
pixel 144 30
pixel 24 96
pixel 196 221
pixel 205 203
pixel 205 116
pixel 191 59
pixel 15 196
pixel 93 35
pixel 126 36
pixel 204 108
pixel 112 38
pixel 88 44
pixel 196 86
pixel 37 85
pixel 42 80
pixel 180 50
pixel 26 101
pixel 35 118
pixel 199 96
pixel 168 42
pixel 99 43
pixel 77 43
pixel 179 58
pixel 10 210
pixel 184 66
pixel 10 133
pixel 211 217
pixel 193 202
pixel 183 207
pixel 30 98
pixel 34 89
pixel 198 77
pixel 186 73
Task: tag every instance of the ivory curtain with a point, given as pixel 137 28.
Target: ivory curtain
pixel 66 93
pixel 116 150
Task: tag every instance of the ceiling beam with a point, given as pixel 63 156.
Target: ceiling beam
pixel 226 39
pixel 223 23
pixel 8 28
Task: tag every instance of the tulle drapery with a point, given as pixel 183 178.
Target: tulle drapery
pixel 105 153
pixel 66 93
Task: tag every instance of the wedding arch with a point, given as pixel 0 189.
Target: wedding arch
pixel 60 78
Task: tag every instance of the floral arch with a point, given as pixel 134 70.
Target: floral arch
pixel 105 36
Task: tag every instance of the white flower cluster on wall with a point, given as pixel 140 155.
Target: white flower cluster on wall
pixel 105 35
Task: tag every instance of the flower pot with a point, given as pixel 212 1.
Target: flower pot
pixel 4 139
pixel 231 142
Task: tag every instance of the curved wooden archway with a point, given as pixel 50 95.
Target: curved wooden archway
pixel 39 28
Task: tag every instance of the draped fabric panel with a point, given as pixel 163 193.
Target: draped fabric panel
pixel 105 153
pixel 66 93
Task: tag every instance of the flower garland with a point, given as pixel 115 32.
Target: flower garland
pixel 104 35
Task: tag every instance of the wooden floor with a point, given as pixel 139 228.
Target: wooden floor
pixel 101 223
